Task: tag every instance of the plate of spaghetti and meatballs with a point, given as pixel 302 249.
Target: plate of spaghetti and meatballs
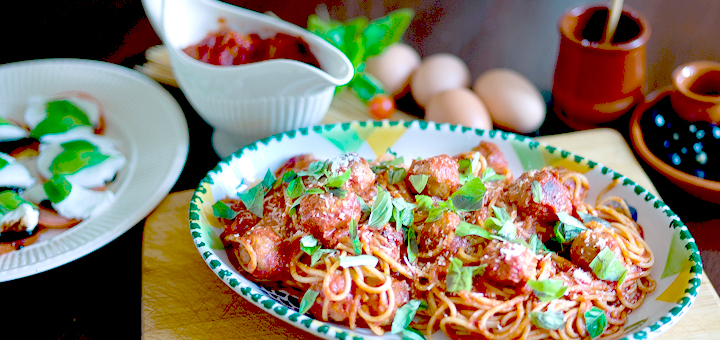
pixel 417 230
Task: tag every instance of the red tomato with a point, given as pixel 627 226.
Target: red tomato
pixel 381 106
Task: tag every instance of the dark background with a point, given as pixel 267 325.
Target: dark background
pixel 98 296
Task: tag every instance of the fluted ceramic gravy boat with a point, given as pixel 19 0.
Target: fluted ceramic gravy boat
pixel 247 102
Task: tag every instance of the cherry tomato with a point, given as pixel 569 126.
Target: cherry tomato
pixel 381 106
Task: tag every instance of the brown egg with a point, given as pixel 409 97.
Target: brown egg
pixel 438 73
pixel 458 106
pixel 514 103
pixel 393 66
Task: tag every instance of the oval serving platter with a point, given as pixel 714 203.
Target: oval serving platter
pixel 677 267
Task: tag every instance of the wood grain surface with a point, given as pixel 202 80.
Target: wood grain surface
pixel 183 299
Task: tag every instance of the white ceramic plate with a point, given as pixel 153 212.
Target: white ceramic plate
pixel 140 114
pixel 677 269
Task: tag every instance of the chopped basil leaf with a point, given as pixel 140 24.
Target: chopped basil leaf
pixel 62 115
pixel 547 290
pixel 502 223
pixel 568 228
pixel 466 168
pixel 295 188
pixel 412 246
pixel 318 254
pixel 288 176
pixel 358 260
pixel 489 175
pixel 222 210
pixel 308 300
pixel 309 244
pixel 460 277
pixel 314 191
pixel 402 212
pixel 339 180
pixel 355 238
pixel 536 245
pixel 424 203
pixel 339 193
pixel 536 192
pixel 396 175
pixel 419 182
pixel 551 320
pixel 269 180
pixel 316 170
pixel 404 315
pixel 381 209
pixel 470 196
pixel 607 267
pixel 363 206
pixel 412 334
pixel 589 218
pixel 595 321
pixel 57 188
pixel 253 199
pixel 465 229
pixel 9 201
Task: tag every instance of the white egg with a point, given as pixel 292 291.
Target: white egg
pixel 393 66
pixel 92 176
pixel 13 174
pixel 514 103
pixel 458 106
pixel 437 73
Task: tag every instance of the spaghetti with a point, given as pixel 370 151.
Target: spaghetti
pixel 454 244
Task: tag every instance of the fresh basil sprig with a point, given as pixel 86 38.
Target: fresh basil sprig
pixel 465 229
pixel 404 315
pixel 489 175
pixel 382 209
pixel 419 182
pixel 222 210
pixel 568 228
pixel 308 300
pixel 469 197
pixel 459 277
pixel 502 223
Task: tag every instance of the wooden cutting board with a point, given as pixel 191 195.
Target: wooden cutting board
pixel 183 299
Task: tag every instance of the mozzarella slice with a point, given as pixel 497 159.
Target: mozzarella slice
pixel 92 176
pixel 83 203
pixel 13 174
pixel 10 131
pixel 36 111
pixel 14 217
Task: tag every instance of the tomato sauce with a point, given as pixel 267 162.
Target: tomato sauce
pixel 227 47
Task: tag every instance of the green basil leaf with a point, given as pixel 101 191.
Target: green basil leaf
pixel 318 254
pixel 363 206
pixel 336 181
pixel 366 86
pixel 536 245
pixel 460 277
pixel 340 193
pixel 412 334
pixel 355 238
pixel 536 192
pixel 551 320
pixel 419 182
pixel 62 115
pixel 76 155
pixel 309 244
pixel 586 218
pixel 381 209
pixel 10 200
pixel 358 260
pixel 502 223
pixel 269 180
pixel 489 175
pixel 404 315
pixel 396 175
pixel 607 267
pixel 385 31
pixel 289 176
pixel 253 199
pixel 412 246
pixel 465 229
pixel 295 188
pixel 222 210
pixel 547 290
pixel 470 196
pixel 568 228
pixel 308 300
pixel 316 169
pixel 57 188
pixel 424 203
pixel 595 321
pixel 314 191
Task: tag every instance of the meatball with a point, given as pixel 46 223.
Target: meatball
pixel 494 156
pixel 509 263
pixel 362 178
pixel 259 253
pixel 554 196
pixel 437 233
pixel 443 179
pixel 387 238
pixel 242 222
pixel 591 242
pixel 327 216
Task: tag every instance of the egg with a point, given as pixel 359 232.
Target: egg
pixel 393 66
pixel 514 103
pixel 438 73
pixel 458 106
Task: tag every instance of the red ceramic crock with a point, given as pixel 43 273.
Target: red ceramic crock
pixel 697 91
pixel 595 81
